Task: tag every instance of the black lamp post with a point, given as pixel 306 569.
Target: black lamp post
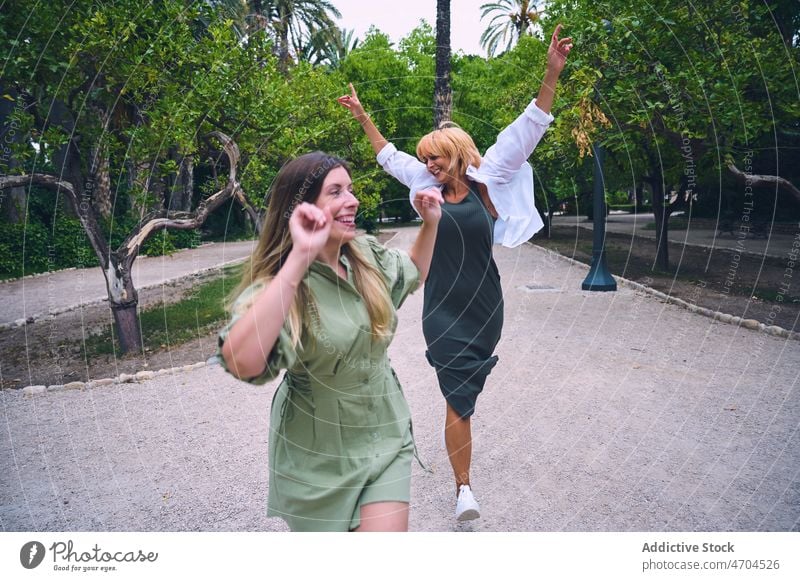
pixel 599 278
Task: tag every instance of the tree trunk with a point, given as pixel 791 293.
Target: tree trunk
pixel 639 196
pixel 186 182
pixel 140 178
pixel 283 42
pixel 256 219
pixel 13 202
pixel 126 318
pixel 661 211
pixel 442 95
pixel 757 180
pixel 124 302
pixel 181 185
pixel 101 181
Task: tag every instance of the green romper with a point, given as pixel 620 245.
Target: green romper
pixel 340 428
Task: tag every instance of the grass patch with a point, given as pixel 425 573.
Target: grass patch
pixel 169 325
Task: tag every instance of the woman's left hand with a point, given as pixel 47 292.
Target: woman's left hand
pixel 558 51
pixel 428 203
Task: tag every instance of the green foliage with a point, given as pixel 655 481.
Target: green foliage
pixel 22 250
pixel 617 198
pixel 678 86
pixel 32 247
pixel 166 242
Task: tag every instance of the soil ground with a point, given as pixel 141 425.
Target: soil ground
pixel 50 351
pixel 743 285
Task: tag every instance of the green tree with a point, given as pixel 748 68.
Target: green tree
pixel 396 88
pixel 680 87
pixel 162 88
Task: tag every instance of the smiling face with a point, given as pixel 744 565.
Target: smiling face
pixel 439 167
pixel 337 188
pixel 447 153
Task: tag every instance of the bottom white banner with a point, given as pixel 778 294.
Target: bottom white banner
pixel 240 556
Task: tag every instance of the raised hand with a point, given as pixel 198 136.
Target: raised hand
pixel 352 103
pixel 558 51
pixel 310 228
pixel 428 204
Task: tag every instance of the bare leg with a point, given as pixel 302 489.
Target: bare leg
pixel 458 438
pixel 390 517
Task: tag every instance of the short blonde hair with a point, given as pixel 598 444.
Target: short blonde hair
pixel 453 142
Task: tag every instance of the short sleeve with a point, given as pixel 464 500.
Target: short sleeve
pixel 283 354
pixel 402 275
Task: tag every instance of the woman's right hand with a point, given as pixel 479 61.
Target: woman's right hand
pixel 351 103
pixel 310 227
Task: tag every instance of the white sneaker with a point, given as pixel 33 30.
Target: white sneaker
pixel 467 507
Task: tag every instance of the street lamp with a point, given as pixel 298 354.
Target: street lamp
pixel 599 277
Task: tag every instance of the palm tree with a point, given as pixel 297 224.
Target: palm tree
pixel 512 20
pixel 319 50
pixel 293 21
pixel 442 95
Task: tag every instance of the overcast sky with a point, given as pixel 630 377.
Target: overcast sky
pixel 399 17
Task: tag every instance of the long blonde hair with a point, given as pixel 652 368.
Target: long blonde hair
pixel 300 180
pixel 453 142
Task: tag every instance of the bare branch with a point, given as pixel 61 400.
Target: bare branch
pixel 161 219
pixel 37 179
pixel 755 180
pixel 83 210
pixel 251 210
pixel 230 147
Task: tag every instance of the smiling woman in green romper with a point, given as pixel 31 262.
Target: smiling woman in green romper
pixel 320 302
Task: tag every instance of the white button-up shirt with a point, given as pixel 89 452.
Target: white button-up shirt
pixel 504 170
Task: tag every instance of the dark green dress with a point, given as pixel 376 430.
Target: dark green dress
pixel 463 307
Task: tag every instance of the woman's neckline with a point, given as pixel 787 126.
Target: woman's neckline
pixel 461 201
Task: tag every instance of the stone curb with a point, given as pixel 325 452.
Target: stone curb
pixel 169 282
pixel 138 377
pixel 751 324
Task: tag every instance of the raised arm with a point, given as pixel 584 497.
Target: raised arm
pixel 353 105
pixel 405 168
pixel 253 336
pixel 516 142
pixel 556 59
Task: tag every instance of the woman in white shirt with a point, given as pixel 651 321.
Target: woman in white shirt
pixel 488 199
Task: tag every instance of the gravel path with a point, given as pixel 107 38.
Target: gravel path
pixel 55 292
pixel 606 412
